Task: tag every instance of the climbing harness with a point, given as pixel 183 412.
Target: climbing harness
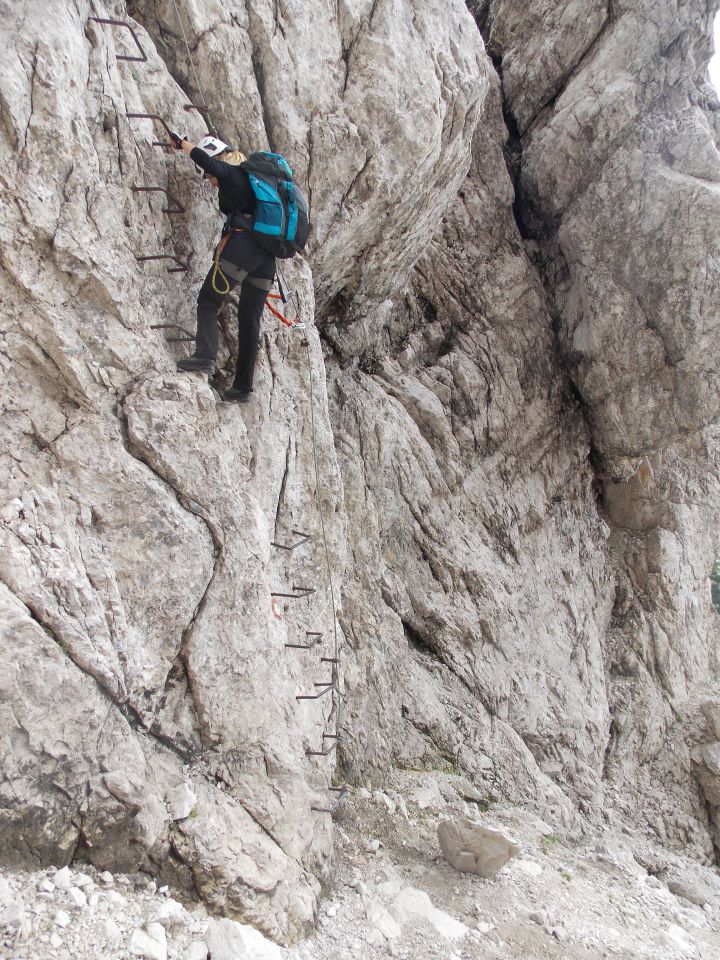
pixel 218 274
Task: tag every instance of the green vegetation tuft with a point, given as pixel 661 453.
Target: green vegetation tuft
pixel 549 842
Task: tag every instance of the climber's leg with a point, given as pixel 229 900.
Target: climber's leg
pixel 208 304
pixel 253 294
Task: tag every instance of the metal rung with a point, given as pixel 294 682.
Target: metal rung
pixel 329 660
pixel 188 338
pixel 304 537
pixel 335 737
pixel 179 208
pixel 342 791
pixel 297 594
pixel 327 687
pixel 168 326
pixel 171 326
pixel 165 144
pixel 306 646
pixel 166 256
pixel 203 111
pixel 123 23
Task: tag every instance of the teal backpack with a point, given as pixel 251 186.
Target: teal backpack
pixel 280 222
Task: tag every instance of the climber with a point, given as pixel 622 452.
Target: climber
pixel 238 259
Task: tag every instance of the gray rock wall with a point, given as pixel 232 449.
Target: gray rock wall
pixel 618 192
pixel 511 352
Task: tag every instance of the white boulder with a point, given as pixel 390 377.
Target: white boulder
pixel 472 848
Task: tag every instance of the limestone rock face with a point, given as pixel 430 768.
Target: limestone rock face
pixel 149 711
pixel 470 621
pixel 517 589
pixel 507 385
pixel 385 98
pixel 618 103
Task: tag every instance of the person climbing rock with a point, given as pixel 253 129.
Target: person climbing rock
pixel 238 260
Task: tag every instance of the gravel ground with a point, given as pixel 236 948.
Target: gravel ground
pixel 616 894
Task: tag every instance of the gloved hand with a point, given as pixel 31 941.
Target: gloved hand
pixel 177 140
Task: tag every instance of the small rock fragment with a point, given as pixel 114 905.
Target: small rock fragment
pixel 77 898
pixel 149 942
pixel 676 938
pixel 197 950
pixel 428 796
pixel 691 889
pixel 55 941
pixel 107 878
pixel 6 893
pixel 46 886
pixel 413 905
pixel 62 879
pixel 62 919
pixel 229 940
pixel 111 931
pixel 170 914
pixel 12 915
pixel 381 920
pixel 24 931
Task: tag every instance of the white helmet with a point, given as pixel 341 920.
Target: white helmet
pixel 212 146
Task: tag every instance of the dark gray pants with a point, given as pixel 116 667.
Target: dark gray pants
pixel 244 263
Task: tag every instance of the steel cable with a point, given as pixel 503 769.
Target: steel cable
pixel 192 64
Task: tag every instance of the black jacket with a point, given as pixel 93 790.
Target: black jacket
pixel 235 194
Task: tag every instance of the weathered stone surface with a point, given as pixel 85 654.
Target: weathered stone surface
pixel 490 569
pixel 149 942
pixel 181 801
pixel 711 712
pixel 382 920
pixel 514 374
pixel 138 511
pixel 692 889
pixel 415 906
pixel 227 940
pixel 474 848
pixel 620 100
pixel 392 99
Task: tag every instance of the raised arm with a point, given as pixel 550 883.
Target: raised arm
pixel 213 166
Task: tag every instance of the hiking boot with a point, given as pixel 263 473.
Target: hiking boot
pixel 237 396
pixel 196 364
